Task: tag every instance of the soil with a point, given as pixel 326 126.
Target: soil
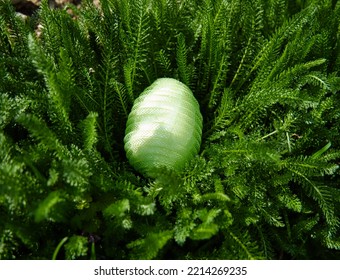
pixel 28 7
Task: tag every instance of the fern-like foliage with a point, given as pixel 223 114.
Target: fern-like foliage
pixel 265 183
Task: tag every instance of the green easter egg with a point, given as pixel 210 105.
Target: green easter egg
pixel 164 128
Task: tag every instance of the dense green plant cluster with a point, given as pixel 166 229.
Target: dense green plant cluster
pixel 265 183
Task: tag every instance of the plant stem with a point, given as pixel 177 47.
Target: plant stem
pixel 56 251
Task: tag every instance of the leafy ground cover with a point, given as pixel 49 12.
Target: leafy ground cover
pixel 265 182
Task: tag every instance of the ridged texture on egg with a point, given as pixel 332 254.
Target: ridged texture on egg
pixel 164 128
